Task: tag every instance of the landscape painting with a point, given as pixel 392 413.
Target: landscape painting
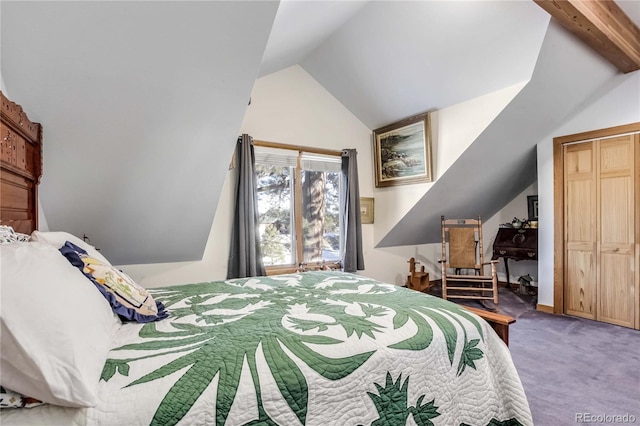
pixel 403 152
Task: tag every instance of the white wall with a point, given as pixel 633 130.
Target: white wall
pixel 616 104
pixel 515 208
pixel 42 220
pixel 291 107
pixel 378 261
pixel 3 87
pixel 287 107
pixel 453 130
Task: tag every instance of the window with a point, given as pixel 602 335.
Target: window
pixel 299 218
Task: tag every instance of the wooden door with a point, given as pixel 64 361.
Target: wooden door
pixel 616 230
pixel 580 230
pixel 597 241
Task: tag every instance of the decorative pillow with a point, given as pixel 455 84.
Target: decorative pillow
pixel 58 238
pixel 11 399
pixel 55 330
pixel 126 297
pixel 8 235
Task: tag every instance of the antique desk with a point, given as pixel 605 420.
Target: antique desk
pixel 516 244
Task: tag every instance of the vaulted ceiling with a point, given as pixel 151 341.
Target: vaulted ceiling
pixel 392 60
pixel 141 102
pixel 387 60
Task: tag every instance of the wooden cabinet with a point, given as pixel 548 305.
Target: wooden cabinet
pixel 600 229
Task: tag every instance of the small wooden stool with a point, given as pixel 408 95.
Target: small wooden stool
pixel 418 281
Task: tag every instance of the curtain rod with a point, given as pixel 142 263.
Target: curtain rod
pixel 299 148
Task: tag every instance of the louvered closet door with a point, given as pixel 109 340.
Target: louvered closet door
pixel 616 224
pixel 580 230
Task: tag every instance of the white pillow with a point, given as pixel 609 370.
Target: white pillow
pixel 56 328
pixel 58 238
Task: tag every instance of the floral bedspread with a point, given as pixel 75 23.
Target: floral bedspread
pixel 317 348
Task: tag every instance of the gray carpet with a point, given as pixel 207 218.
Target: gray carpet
pixel 571 365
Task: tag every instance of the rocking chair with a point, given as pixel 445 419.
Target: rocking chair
pixel 462 252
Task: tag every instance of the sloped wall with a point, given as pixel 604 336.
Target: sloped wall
pixel 137 102
pixel 291 107
pixel 501 162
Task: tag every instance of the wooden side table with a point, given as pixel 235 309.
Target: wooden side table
pixel 515 244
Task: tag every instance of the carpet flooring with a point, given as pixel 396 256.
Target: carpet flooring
pixel 573 370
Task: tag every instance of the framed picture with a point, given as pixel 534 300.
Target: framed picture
pixel 532 204
pixel 402 152
pixel 366 209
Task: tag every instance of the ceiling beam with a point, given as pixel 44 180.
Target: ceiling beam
pixel 603 26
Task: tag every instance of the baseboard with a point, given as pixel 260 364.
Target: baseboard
pixel 545 308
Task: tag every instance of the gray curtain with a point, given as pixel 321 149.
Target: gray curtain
pixel 352 256
pixel 245 257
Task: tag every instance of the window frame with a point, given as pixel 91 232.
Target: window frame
pixel 297 211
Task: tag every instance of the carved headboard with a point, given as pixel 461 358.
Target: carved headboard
pixel 20 167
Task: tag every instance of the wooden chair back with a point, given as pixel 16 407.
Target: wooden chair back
pixel 462 243
pixel 462 250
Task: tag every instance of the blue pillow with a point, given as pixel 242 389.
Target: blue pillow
pixel 127 299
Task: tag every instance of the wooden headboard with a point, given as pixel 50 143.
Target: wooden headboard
pixel 20 168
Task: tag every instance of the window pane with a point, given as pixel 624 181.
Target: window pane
pixel 321 215
pixel 275 210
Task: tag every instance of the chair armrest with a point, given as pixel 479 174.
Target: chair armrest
pixel 493 317
pixel 500 323
pixel 491 262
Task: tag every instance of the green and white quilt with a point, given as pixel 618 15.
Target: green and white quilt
pixel 317 348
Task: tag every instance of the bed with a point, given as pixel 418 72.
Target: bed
pixel 309 348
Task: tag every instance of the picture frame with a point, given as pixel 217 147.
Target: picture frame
pixel 366 209
pixel 402 152
pixel 532 207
